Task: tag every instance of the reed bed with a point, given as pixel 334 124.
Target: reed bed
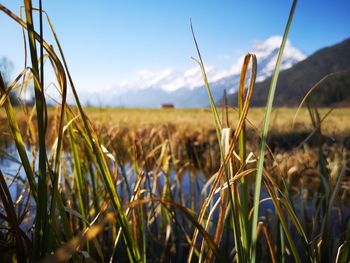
pixel 80 190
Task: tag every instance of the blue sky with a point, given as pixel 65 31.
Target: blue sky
pixel 106 42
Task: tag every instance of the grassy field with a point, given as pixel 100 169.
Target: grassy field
pixel 201 119
pixel 134 185
pixel 283 120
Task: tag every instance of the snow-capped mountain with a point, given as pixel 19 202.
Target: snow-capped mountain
pixel 185 89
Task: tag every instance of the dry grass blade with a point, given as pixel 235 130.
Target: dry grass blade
pixel 268 240
pixel 64 253
pixel 244 197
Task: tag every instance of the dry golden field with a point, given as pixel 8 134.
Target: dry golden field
pixel 336 121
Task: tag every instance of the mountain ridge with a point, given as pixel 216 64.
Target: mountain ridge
pixel 293 83
pixel 186 89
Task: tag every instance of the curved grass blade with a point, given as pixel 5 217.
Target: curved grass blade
pixel 246 227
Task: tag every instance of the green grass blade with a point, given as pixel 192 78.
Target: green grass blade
pixel 19 141
pixel 41 220
pixel 218 126
pixel 268 109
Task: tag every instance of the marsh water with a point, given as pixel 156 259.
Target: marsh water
pixel 187 188
pixel 188 185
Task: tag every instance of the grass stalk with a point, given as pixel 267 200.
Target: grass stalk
pixel 19 141
pixel 268 109
pixel 41 221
